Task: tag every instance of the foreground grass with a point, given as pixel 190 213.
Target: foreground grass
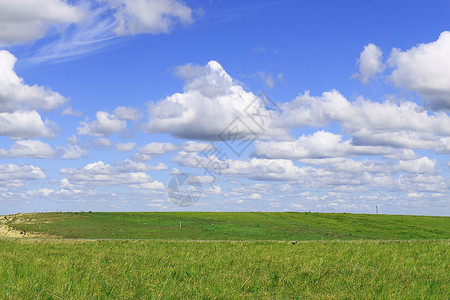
pixel 54 269
pixel 234 226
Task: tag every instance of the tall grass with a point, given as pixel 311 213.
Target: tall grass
pixel 62 269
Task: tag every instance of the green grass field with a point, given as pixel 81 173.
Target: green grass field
pixel 390 257
pixel 234 226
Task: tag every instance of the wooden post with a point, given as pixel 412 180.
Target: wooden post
pixel 180 224
pixel 377 209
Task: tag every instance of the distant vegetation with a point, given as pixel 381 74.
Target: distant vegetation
pixel 233 226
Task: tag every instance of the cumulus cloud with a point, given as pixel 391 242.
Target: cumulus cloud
pixel 74 152
pixel 125 147
pixel 157 148
pixel 127 173
pixel 425 69
pixel 15 95
pixel 19 103
pixel 12 175
pixel 104 125
pixel 212 107
pixel 321 144
pixel 404 125
pixel 22 21
pixel 149 16
pixel 23 124
pixel 191 146
pixel 258 169
pixel 30 149
pixel 128 113
pixel 214 190
pixel 369 63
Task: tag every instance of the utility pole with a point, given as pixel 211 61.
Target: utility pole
pixel 376 209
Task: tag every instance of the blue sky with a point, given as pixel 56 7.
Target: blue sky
pixel 288 105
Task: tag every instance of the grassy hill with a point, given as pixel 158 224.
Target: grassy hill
pixel 232 226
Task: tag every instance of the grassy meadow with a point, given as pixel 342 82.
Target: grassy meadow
pixel 70 269
pixel 233 226
pixel 235 256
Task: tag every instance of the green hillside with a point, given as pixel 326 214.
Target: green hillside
pixel 232 226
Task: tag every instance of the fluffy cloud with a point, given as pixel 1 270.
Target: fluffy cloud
pixel 30 149
pixel 15 95
pixel 19 103
pixel 258 169
pixel 24 20
pixel 125 147
pixel 105 124
pixel 404 125
pixel 157 148
pixel 191 146
pixel 12 175
pixel 128 113
pixel 23 124
pixel 421 165
pixel 74 152
pixel 321 144
pixel 127 173
pixel 426 70
pixel 212 107
pixel 149 16
pixel 369 63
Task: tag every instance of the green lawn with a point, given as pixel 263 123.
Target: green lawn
pixel 235 226
pixel 71 269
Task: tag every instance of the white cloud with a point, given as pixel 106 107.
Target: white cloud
pixel 404 125
pixel 254 196
pixel 74 152
pixel 127 173
pixel 15 95
pixel 30 149
pixel 369 63
pixel 125 147
pixel 212 107
pixel 421 165
pixel 321 144
pixel 191 146
pixel 154 185
pixel 128 113
pixel 105 124
pixel 141 157
pixel 23 124
pixel 415 195
pixel 214 190
pixel 12 175
pixel 157 148
pixel 22 21
pixel 258 169
pixel 149 16
pixel 426 70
